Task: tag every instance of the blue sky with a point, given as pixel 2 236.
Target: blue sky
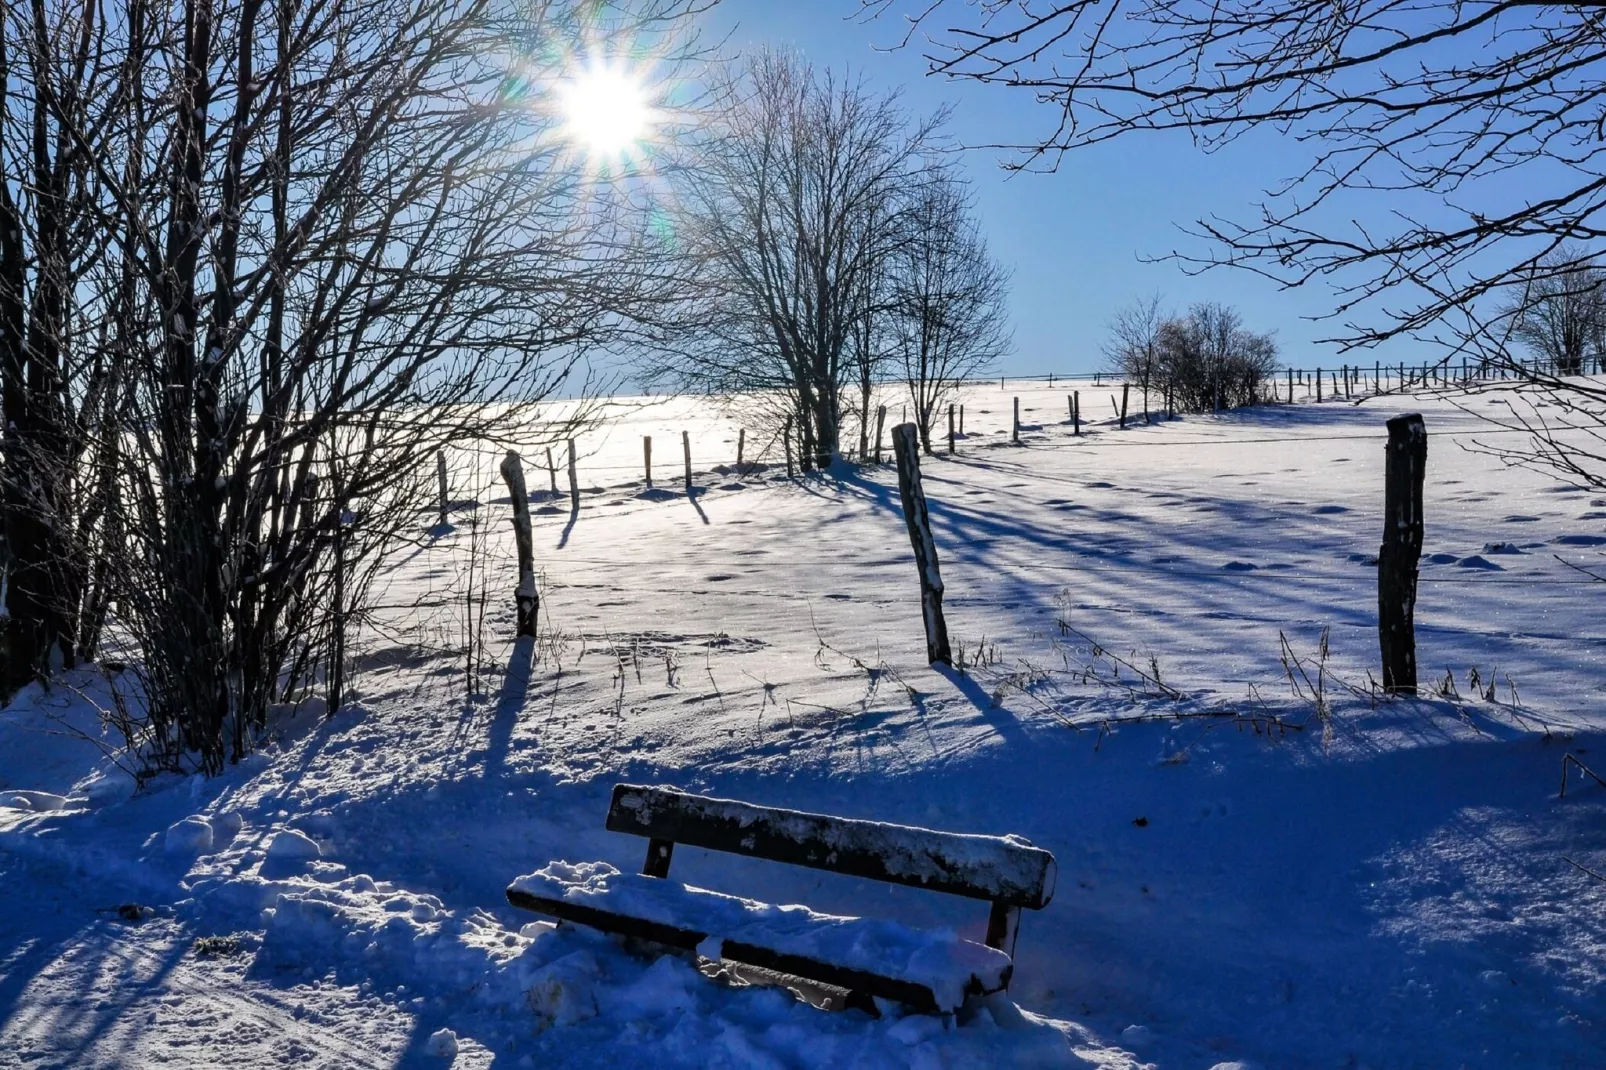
pixel 1075 239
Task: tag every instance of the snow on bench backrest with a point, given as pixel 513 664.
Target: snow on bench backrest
pixel 1004 869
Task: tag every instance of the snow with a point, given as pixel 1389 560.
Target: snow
pixel 1250 876
pixel 938 959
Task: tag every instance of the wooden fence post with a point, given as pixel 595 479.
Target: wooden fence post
pixel 685 445
pixel 1076 412
pixel 1124 388
pixel 1406 460
pixel 950 428
pixel 1290 385
pixel 1318 384
pixel 880 420
pixel 440 473
pixel 574 481
pixel 961 419
pixel 1014 427
pixel 552 470
pixel 906 446
pixel 646 456
pixel 524 596
pixel 786 440
pixel 741 447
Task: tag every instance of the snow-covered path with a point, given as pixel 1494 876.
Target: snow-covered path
pixel 1240 878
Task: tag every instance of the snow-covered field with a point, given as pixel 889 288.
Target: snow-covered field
pixel 1249 873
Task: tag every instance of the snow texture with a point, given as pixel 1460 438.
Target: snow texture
pixel 1253 880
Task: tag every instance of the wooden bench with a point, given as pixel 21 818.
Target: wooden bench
pixel 863 957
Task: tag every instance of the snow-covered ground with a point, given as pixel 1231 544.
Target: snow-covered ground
pixel 1249 873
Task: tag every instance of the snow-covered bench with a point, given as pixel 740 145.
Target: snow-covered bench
pixel 929 970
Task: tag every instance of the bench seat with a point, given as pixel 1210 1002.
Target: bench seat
pixel 930 970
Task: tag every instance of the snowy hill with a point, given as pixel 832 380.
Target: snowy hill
pixel 1261 861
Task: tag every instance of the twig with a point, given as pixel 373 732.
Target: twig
pixel 1586 869
pixel 1565 758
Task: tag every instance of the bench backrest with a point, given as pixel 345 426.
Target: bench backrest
pixel 1003 870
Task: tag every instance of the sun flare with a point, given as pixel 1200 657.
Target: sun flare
pixel 606 110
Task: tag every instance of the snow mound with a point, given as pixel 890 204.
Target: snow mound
pixel 191 836
pixel 290 845
pixel 442 1044
pixel 938 959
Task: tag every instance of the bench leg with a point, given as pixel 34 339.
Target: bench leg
pixel 1003 924
pixel 659 852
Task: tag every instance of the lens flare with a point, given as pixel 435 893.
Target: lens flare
pixel 605 111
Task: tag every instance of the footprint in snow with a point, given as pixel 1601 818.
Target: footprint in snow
pixel 1329 510
pixel 1521 519
pixel 1580 540
pixel 1101 485
pixel 1239 566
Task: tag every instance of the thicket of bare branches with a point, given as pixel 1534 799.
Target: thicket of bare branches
pixel 1560 315
pixel 260 261
pixel 790 202
pixel 1201 361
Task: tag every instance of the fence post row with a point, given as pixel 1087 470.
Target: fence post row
pixel 524 596
pixel 1406 461
pixel 906 447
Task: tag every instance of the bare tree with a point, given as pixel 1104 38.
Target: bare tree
pixel 782 202
pixel 1561 312
pixel 948 297
pixel 343 240
pixel 1132 349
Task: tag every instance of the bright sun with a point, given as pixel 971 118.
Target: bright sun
pixel 605 110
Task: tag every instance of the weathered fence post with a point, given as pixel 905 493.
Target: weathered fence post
pixel 1014 427
pixel 685 445
pixel 906 447
pixel 1318 384
pixel 524 596
pixel 1125 387
pixel 1290 385
pixel 646 456
pixel 786 440
pixel 552 470
pixel 440 473
pixel 1070 407
pixel 1076 412
pixel 1406 460
pixel 961 420
pixel 880 419
pixel 741 447
pixel 950 428
pixel 574 481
